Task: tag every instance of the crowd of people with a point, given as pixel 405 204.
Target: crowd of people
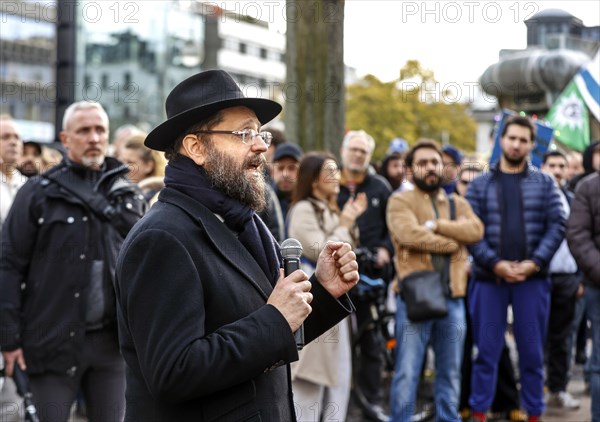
pixel 142 278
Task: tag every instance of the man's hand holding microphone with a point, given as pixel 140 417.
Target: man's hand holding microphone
pixel 337 271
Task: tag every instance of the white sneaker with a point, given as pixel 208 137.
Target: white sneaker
pixel 562 399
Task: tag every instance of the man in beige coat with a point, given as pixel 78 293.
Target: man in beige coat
pixel 426 238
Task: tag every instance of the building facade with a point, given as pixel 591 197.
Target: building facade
pixel 126 55
pixel 131 54
pixel 27 66
pixel 136 52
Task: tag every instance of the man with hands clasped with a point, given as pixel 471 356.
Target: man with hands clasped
pixel 524 226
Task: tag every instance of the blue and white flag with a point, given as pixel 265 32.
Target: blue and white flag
pixel 588 82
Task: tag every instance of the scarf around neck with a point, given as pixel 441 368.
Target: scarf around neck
pixel 185 176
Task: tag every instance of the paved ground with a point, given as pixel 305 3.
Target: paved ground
pixel 576 388
pixel 11 406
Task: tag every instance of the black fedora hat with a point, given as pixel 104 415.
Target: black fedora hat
pixel 200 96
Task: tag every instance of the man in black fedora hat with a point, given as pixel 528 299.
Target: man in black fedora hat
pixel 206 317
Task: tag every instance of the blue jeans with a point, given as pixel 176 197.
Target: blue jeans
pixel 447 337
pixel 592 297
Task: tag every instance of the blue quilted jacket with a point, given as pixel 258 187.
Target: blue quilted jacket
pixel 544 220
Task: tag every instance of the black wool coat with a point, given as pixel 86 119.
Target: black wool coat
pixel 198 338
pixel 50 242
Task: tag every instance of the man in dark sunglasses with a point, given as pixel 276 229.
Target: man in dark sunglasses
pixel 467 175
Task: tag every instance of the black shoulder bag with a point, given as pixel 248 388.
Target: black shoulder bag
pixel 426 293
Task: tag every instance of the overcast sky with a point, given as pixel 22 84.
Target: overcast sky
pixel 458 40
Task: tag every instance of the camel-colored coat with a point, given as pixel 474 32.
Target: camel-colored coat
pixel 414 243
pixel 319 359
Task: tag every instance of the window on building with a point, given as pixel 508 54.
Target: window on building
pixel 230 44
pixel 243 48
pixel 29 111
pixel 47 114
pixel 263 53
pixel 253 50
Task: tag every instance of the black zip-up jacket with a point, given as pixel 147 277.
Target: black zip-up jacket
pixel 372 224
pixel 64 230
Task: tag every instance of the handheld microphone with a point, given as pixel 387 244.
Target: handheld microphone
pixel 22 383
pixel 291 250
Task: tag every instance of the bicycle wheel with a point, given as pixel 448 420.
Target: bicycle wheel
pixel 377 330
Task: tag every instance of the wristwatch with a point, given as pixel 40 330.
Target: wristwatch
pixel 429 225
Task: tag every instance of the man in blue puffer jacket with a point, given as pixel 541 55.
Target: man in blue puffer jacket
pixel 524 225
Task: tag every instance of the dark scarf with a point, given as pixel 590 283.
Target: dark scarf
pixel 183 175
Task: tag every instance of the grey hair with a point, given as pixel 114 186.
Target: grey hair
pixel 82 105
pixel 127 127
pixel 359 134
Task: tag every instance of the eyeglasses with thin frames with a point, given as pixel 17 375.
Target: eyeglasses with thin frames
pixel 248 135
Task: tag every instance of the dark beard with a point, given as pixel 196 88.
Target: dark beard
pixel 231 179
pixel 28 171
pixel 395 182
pixel 514 161
pixel 421 184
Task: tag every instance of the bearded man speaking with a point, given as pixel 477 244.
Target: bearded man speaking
pixel 206 316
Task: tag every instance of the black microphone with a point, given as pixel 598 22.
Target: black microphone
pixel 291 250
pixel 22 383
